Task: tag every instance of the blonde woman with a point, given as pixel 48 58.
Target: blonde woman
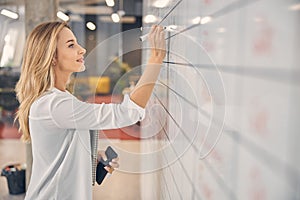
pixel 57 123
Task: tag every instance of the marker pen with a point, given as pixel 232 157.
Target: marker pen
pixel 145 37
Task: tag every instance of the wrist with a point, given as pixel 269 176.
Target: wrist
pixel 155 60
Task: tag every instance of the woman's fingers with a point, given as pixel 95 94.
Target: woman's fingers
pixel 157 32
pixel 157 42
pixel 114 164
pixel 101 154
pixel 161 44
pixel 162 39
pixel 109 169
pixel 157 37
pixel 152 29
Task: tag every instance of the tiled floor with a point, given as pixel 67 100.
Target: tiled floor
pixel 117 187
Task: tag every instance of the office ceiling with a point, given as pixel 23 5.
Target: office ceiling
pixel 90 7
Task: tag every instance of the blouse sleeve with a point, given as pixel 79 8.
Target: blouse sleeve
pixel 69 112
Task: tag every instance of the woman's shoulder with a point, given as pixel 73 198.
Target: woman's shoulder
pixel 49 99
pixel 51 95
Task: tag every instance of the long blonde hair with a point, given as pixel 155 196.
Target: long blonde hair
pixel 37 73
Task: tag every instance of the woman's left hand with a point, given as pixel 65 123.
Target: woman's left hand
pixel 112 165
pixel 157 44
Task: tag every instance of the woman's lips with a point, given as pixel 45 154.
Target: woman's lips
pixel 81 60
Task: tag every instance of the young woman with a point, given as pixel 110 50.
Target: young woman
pixel 57 123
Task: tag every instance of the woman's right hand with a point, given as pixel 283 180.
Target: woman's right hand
pixel 112 165
pixel 157 44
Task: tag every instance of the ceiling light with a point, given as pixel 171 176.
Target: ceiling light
pixel 196 20
pixel 62 16
pixel 9 14
pixel 115 17
pixel 161 3
pixel 150 19
pixel 91 26
pixel 205 20
pixel 110 3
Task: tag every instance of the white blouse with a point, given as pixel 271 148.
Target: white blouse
pixel 59 125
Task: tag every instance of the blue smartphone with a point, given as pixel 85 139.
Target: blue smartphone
pixel 100 171
pixel 110 154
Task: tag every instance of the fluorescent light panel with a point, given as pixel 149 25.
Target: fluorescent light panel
pixel 91 26
pixel 62 16
pixel 9 14
pixel 115 17
pixel 150 19
pixel 110 3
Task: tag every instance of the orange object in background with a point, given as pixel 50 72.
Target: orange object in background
pixel 101 85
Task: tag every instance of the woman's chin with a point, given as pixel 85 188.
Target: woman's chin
pixel 82 68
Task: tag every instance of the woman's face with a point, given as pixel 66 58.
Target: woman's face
pixel 69 55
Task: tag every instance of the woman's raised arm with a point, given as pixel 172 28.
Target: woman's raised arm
pixel 143 90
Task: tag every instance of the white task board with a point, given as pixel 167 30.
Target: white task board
pixel 227 99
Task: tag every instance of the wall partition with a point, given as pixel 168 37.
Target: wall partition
pixel 222 122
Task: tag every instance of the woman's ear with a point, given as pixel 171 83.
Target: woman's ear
pixel 54 60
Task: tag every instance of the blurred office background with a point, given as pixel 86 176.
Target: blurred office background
pixel 222 122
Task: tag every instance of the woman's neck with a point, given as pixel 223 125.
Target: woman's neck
pixel 61 81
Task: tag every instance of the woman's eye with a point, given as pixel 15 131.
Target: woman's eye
pixel 71 45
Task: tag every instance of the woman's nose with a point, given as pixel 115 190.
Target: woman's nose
pixel 82 50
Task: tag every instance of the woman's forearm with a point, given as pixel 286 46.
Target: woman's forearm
pixel 143 90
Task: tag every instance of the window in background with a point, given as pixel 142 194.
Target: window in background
pixel 12 41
